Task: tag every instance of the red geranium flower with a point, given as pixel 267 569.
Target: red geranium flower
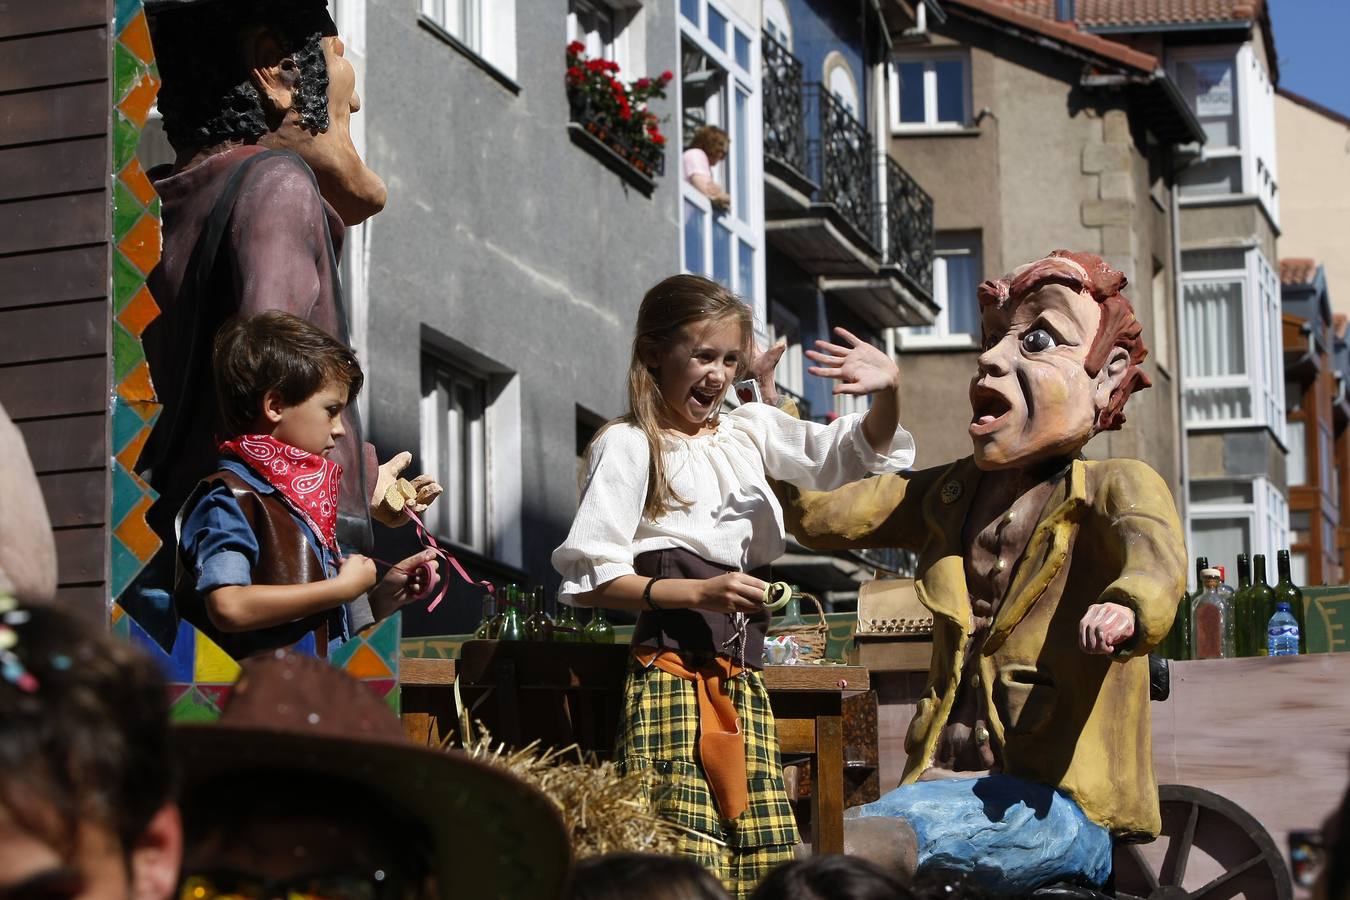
pixel 643 84
pixel 667 75
pixel 575 48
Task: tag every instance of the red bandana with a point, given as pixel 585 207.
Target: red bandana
pixel 307 481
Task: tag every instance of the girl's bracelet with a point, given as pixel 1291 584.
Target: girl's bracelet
pixel 647 594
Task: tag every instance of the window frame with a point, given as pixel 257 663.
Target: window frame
pixel 741 176
pixel 489 38
pixel 1263 364
pixel 920 337
pixel 929 58
pixel 1267 517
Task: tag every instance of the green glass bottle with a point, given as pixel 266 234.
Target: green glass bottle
pixel 566 629
pixel 598 630
pixel 513 624
pixel 1287 592
pixel 484 630
pixel 538 625
pixel 792 613
pixel 1177 644
pixel 1263 605
pixel 1243 609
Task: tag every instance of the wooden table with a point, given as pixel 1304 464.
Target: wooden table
pixel 572 693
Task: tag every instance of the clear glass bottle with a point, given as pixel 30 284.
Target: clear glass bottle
pixel 1177 644
pixel 1212 619
pixel 513 624
pixel 598 630
pixel 1263 604
pixel 1287 592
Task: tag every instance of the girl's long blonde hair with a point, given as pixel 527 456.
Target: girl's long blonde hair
pixel 674 303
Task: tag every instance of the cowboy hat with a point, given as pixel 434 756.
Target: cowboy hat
pixel 492 834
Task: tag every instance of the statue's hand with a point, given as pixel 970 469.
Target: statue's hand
pixel 389 472
pixel 1104 627
pixel 762 364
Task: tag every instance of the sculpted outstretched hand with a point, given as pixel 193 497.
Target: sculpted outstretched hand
pixel 859 368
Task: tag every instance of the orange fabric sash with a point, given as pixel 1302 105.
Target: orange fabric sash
pixel 721 743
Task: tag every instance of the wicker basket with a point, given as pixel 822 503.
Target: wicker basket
pixel 812 640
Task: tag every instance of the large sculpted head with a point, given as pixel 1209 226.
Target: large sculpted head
pixel 269 72
pixel 1060 358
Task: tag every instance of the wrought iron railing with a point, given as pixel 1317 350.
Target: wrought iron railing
pixel 645 156
pixel 909 226
pixel 840 160
pixel 784 122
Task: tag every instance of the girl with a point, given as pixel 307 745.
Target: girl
pixel 676 509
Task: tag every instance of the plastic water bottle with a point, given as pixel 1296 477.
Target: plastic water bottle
pixel 1282 632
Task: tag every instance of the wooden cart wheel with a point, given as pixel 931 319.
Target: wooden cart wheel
pixel 1209 847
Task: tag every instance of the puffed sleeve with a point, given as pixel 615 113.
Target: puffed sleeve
pixel 217 542
pixel 599 548
pixel 817 457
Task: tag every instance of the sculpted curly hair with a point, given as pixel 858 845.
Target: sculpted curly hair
pixel 207 96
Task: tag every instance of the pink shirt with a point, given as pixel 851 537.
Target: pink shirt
pixel 695 162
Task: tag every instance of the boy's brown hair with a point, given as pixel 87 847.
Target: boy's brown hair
pixel 276 351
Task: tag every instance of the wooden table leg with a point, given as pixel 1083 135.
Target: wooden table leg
pixel 827 794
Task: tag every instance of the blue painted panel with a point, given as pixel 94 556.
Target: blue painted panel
pixel 822 26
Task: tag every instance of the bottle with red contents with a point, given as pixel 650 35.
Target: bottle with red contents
pixel 1212 619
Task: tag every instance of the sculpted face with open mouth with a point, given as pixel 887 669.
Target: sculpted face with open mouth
pixel 1033 398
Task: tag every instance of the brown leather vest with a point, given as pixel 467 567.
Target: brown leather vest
pixel 284 557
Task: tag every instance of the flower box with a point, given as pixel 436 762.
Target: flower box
pixel 615 114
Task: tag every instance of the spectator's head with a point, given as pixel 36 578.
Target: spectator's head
pixel 830 877
pixel 618 876
pixel 86 774
pixel 308 784
pixel 277 374
pixel 713 141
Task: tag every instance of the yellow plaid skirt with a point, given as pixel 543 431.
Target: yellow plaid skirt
pixel 658 734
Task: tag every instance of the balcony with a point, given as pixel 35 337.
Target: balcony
pixel 853 219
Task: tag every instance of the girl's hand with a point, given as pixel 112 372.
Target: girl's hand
pixel 403 583
pixel 732 592
pixel 858 369
pixel 356 575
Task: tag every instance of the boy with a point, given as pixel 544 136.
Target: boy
pixel 260 566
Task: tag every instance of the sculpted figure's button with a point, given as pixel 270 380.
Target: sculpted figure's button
pixel 1008 517
pixel 951 491
pixel 975 680
pixel 981 735
pixel 1000 565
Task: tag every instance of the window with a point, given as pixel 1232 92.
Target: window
pixel 958 269
pixel 840 82
pixel 777 22
pixel 455 449
pixel 471 441
pixel 790 374
pixel 486 28
pixel 719 85
pixel 930 91
pixel 1227 517
pixel 1232 369
pixel 605 31
pixel 1233 97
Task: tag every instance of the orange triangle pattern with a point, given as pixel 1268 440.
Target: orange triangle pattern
pixel 136 38
pixel 136 104
pixel 139 312
pixel 132 451
pixel 366 664
pixel 137 535
pixel 133 176
pixel 141 244
pixel 136 386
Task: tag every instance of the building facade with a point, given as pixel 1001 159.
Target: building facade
pixel 1034 136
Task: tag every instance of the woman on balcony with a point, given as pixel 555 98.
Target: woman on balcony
pixel 707 149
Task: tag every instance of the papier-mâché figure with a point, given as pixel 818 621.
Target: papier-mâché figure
pixel 1050 578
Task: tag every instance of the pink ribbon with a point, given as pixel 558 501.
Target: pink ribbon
pixel 432 579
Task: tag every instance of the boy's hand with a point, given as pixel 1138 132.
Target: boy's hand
pixel 403 583
pixel 858 369
pixel 356 575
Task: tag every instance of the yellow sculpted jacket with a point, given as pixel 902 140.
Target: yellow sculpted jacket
pixel 1060 716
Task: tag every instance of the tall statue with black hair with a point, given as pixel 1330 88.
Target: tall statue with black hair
pixel 257 100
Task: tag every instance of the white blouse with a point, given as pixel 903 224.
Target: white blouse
pixel 733 517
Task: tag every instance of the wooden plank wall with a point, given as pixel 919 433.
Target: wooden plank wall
pixel 55 160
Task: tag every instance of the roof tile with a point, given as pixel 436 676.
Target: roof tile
pixel 1099 13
